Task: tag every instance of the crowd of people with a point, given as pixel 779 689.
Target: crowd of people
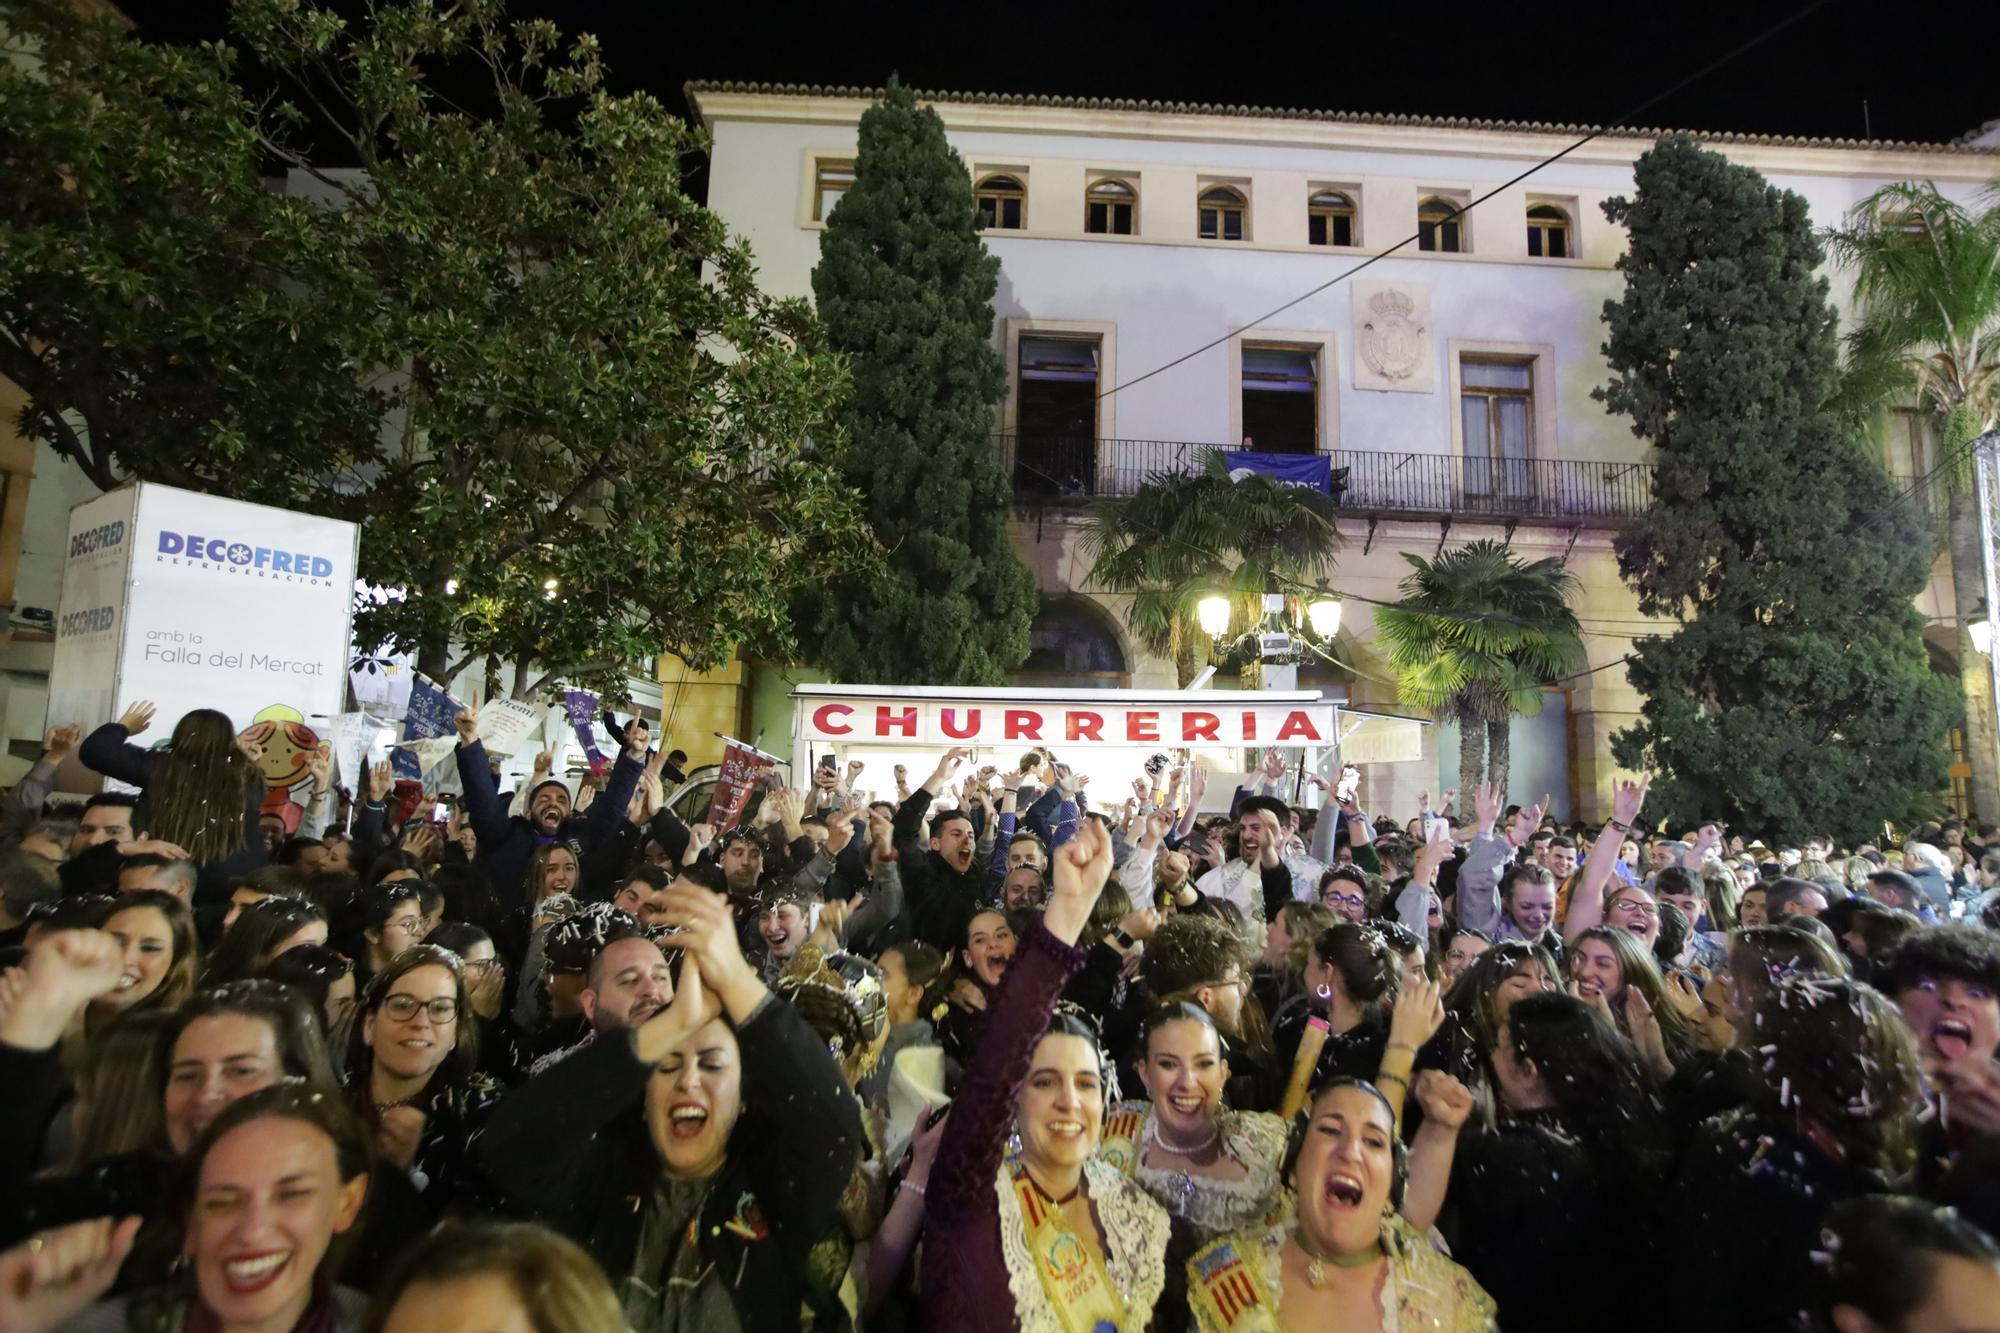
pixel 1002 1053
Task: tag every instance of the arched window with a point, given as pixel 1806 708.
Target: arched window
pixel 1548 232
pixel 1223 212
pixel 1330 219
pixel 1111 208
pixel 1438 226
pixel 1074 643
pixel 1002 203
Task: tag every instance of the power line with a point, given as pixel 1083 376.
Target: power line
pixel 1411 239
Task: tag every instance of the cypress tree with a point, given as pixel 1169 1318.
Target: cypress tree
pixel 1795 695
pixel 905 287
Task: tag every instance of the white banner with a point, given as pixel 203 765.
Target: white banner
pixel 943 723
pixel 232 606
pixel 506 724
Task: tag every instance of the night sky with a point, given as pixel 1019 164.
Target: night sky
pixel 1918 64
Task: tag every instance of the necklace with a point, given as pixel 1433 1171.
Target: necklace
pixel 1159 1140
pixel 1315 1273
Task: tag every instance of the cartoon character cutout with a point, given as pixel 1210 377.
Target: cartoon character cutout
pixel 286 747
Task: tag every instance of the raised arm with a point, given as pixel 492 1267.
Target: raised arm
pixel 1447 1103
pixel 1586 900
pixel 475 776
pixel 1478 901
pixel 108 749
pixel 22 805
pixel 975 1137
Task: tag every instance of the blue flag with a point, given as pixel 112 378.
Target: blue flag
pixel 1314 471
pixel 431 714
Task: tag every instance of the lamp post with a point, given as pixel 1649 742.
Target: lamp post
pixel 1288 630
pixel 1986 487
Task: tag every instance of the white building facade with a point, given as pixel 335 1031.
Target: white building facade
pixel 1451 380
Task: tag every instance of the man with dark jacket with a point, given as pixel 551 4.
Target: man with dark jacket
pixel 941 884
pixel 507 843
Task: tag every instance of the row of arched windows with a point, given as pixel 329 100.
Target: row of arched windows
pixel 1222 213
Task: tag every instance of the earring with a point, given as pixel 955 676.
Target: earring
pixel 1325 992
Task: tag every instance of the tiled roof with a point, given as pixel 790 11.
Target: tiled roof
pixel 1153 107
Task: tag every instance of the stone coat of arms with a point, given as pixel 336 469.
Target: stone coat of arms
pixel 1392 341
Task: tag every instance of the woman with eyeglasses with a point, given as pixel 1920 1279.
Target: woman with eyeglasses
pixel 392 919
pixel 503 1047
pixel 413 1073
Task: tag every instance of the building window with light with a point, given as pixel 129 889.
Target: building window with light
pixel 832 178
pixel 1224 213
pixel 1549 233
pixel 1280 398
pixel 1330 219
pixel 1001 202
pixel 1439 227
pixel 1111 208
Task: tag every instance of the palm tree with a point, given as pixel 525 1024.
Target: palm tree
pixel 1476 636
pixel 1181 536
pixel 1927 283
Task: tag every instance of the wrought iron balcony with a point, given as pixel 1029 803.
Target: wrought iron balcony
pixel 1367 483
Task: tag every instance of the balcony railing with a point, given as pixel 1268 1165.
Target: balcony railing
pixel 1366 483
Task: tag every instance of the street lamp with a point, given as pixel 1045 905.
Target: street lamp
pixel 1212 612
pixel 1323 613
pixel 1980 629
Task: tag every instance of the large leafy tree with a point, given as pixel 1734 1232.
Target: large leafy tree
pixel 905 287
pixel 1181 536
pixel 1927 284
pixel 1476 635
pixel 509 343
pixel 1795 692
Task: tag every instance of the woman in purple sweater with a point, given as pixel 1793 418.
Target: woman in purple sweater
pixel 1054 1239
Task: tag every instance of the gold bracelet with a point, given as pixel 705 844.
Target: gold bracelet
pixel 1381 1077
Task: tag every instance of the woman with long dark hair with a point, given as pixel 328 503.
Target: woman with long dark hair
pixel 1609 968
pixel 699 1158
pixel 1568 1149
pixel 275 1182
pixel 1835 1118
pixel 413 1073
pixel 261 932
pixel 1055 1238
pixel 201 792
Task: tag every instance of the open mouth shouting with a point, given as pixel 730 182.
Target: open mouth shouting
pixel 686 1120
pixel 1951 1039
pixel 1188 1104
pixel 1344 1190
pixel 250 1273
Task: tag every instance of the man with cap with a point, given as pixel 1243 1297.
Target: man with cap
pixel 626 982
pixel 507 843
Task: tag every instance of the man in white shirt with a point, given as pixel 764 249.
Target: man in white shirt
pixel 1260 879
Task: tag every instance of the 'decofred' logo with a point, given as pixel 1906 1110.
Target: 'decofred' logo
pixel 100 538
pixel 242 558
